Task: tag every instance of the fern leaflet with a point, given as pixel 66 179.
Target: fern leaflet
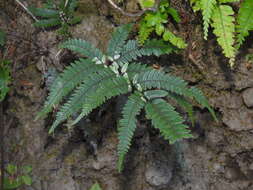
pixel 127 125
pixel 117 87
pixel 224 29
pixel 167 120
pixel 118 39
pixel 67 81
pixel 245 21
pixel 82 47
pixel 207 7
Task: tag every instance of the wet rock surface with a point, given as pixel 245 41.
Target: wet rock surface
pixel 218 158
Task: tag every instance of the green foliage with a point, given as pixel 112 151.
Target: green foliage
pixel 207 7
pixel 222 19
pixel 224 29
pixel 95 187
pixel 57 15
pixel 245 21
pixel 2 38
pixel 156 22
pixel 249 58
pixel 17 177
pixel 146 3
pixel 4 78
pixel 99 78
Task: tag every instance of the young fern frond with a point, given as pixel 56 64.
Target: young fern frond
pixel 224 29
pixel 173 39
pixel 207 7
pixel 245 21
pixel 72 76
pixel 118 39
pixel 127 125
pixel 82 47
pixel 167 120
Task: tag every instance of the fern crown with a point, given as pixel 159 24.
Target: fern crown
pixel 100 76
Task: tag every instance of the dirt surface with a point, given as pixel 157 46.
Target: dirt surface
pixel 219 157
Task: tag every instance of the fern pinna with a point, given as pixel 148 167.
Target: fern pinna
pixel 100 77
pixel 52 15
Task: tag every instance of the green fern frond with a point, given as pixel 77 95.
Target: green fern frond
pixel 91 94
pixel 131 51
pixel 173 39
pixel 82 47
pixel 47 22
pixel 224 29
pixel 245 21
pixel 152 94
pixel 207 7
pixel 67 81
pixel 167 120
pixel 118 39
pixel 117 86
pixel 158 79
pixel 201 99
pixel 135 69
pixel 144 32
pixel 44 12
pixel 127 125
pixel 185 104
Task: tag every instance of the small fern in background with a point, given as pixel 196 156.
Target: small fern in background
pixel 57 15
pixel 244 21
pixel 101 76
pixel 220 15
pixel 156 22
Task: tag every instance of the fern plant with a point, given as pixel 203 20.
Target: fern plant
pixel 156 22
pixel 57 15
pixel 220 15
pixel 100 77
